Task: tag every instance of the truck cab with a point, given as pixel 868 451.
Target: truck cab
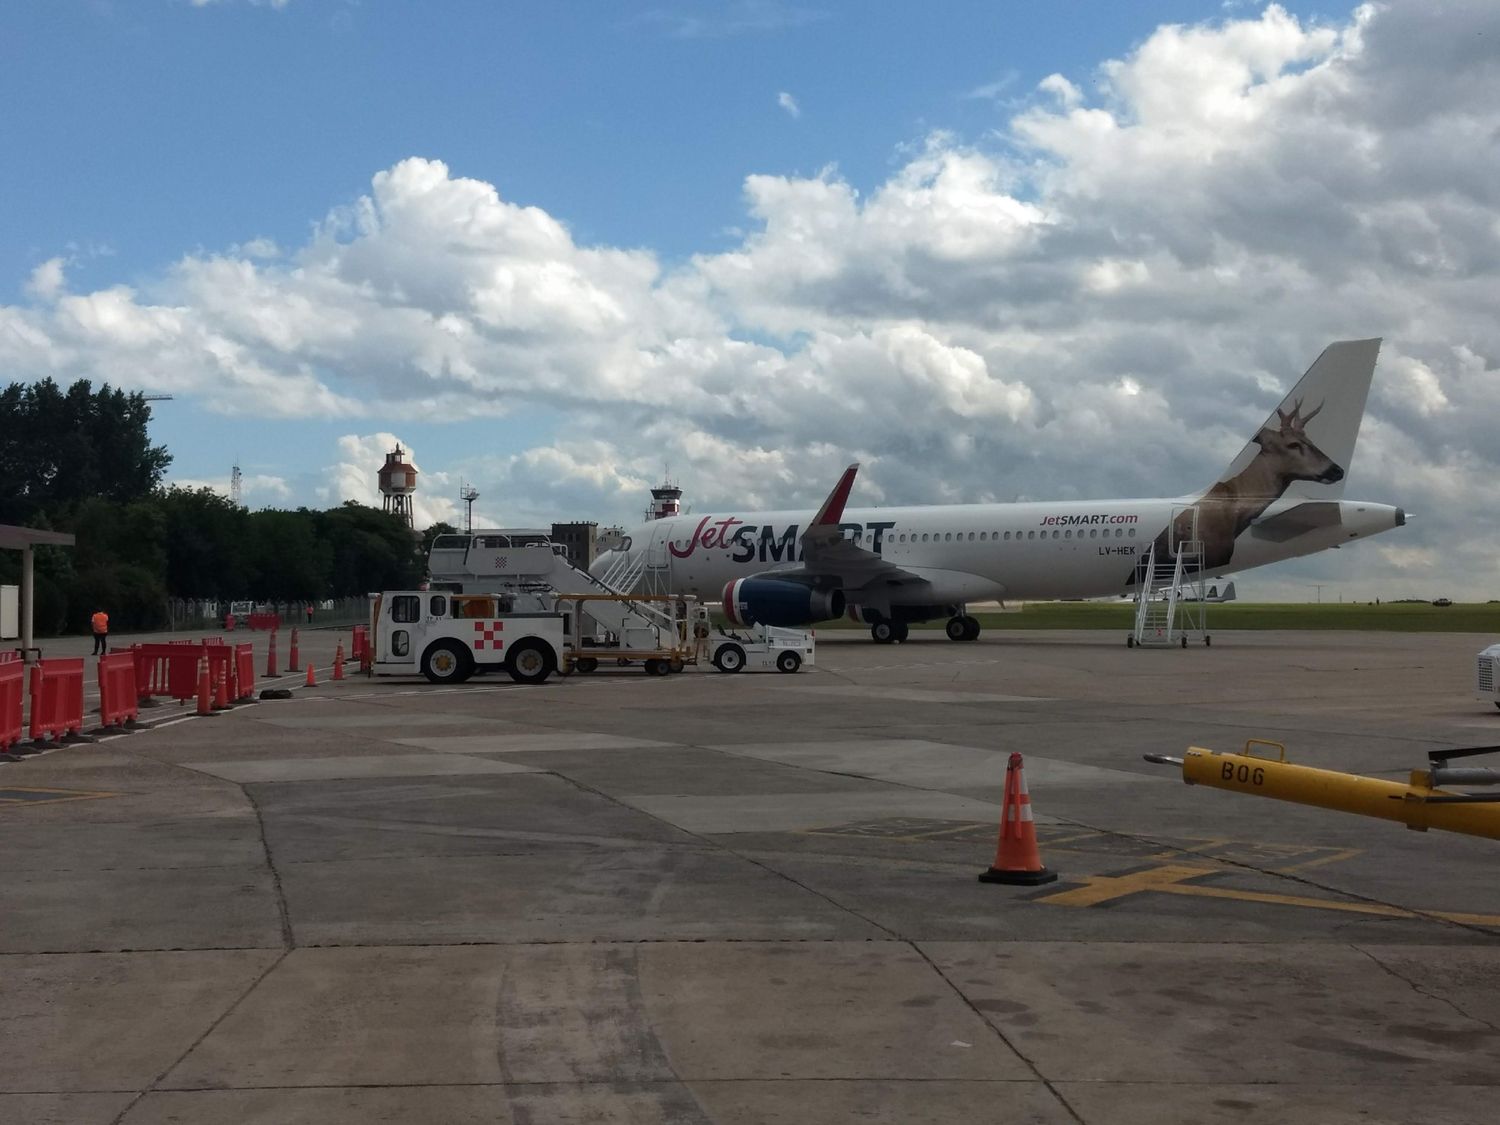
pixel 448 637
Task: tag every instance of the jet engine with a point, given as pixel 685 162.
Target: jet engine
pixel 767 601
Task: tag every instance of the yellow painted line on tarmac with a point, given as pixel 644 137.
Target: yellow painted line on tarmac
pixel 18 795
pixel 1172 879
pixel 1107 888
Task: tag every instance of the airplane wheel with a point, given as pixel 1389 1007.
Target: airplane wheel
pixel 1207 640
pixel 1184 642
pixel 788 662
pixel 729 658
pixel 957 628
pixel 903 630
pixel 883 632
pixel 1130 642
pixel 971 628
pixel 586 664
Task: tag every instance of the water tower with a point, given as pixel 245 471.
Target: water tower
pixel 398 480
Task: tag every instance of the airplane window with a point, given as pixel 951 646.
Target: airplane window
pixel 1007 535
pixel 1132 533
pixel 924 537
pixel 1068 534
pixel 983 535
pixel 971 537
pixel 1093 533
pixel 1055 534
pixel 1031 535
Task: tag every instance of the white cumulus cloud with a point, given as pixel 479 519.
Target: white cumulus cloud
pixel 1105 297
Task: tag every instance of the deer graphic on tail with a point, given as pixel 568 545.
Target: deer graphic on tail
pixel 1286 454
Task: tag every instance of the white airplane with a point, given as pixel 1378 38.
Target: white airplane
pixel 1281 498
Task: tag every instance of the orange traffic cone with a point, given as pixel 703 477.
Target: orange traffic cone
pixel 221 692
pixel 338 662
pixel 1017 859
pixel 205 704
pixel 312 680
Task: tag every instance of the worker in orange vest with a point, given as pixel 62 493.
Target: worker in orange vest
pixel 100 622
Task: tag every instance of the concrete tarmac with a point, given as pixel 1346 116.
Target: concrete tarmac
pixel 753 898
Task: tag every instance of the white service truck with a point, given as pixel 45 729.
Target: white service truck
pixel 760 649
pixel 448 637
pixel 1487 675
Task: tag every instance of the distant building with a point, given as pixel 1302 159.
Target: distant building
pixel 579 540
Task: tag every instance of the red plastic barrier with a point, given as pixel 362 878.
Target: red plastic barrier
pixel 244 681
pixel 229 622
pixel 165 669
pixel 360 644
pixel 12 680
pixel 56 697
pixel 117 698
pixel 8 656
pixel 265 621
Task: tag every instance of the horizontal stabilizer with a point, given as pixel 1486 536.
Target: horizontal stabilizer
pixel 1299 520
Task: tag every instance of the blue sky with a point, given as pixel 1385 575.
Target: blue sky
pixel 142 134
pixel 149 128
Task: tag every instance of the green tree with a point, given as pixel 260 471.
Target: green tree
pixel 207 545
pixel 288 561
pixel 372 550
pixel 58 449
pixel 439 528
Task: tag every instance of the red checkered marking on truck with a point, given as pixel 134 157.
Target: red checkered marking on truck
pixel 487 635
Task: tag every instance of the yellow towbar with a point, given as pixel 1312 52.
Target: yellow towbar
pixel 1418 804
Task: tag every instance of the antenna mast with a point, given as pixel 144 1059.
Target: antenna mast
pixel 468 494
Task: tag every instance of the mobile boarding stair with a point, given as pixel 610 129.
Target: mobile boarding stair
pixel 610 621
pixel 1172 605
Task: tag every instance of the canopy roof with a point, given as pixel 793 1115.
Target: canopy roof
pixel 17 538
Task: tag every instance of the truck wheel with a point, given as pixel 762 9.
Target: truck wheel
pixel 729 658
pixel 447 662
pixel 788 662
pixel 528 663
pixel 586 664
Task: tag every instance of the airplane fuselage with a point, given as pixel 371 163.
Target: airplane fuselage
pixel 971 552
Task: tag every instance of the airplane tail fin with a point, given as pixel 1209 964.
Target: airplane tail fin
pixel 1310 436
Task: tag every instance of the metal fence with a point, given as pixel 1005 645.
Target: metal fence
pixel 186 614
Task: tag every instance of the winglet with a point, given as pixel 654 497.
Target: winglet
pixel 832 510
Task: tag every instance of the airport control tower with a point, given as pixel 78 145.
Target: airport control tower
pixel 398 480
pixel 666 500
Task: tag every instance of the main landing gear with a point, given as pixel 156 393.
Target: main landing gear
pixel 962 628
pixel 889 632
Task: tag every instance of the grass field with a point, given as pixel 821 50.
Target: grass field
pixel 1390 618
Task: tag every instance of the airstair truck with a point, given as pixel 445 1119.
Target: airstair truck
pixel 604 623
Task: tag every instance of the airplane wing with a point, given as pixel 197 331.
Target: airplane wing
pixel 829 559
